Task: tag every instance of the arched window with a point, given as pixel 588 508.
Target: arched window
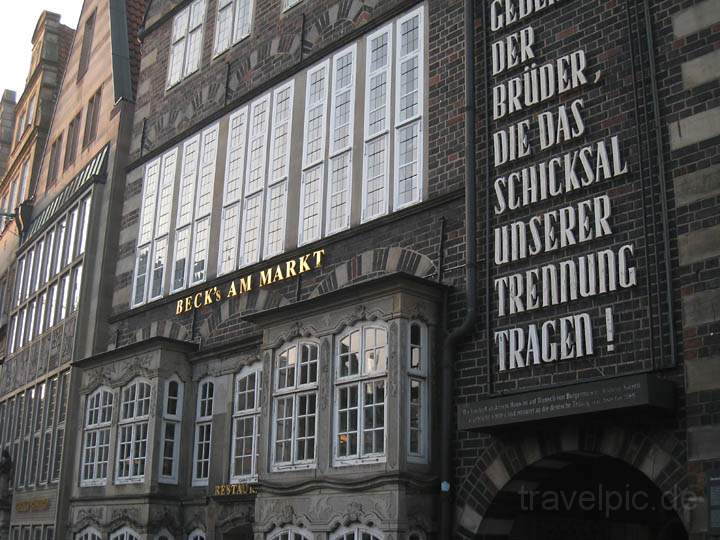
pixel 295 406
pixel 126 533
pixel 203 432
pixel 172 415
pixel 357 533
pixel 164 535
pixel 88 534
pixel 417 401
pixel 360 383
pixel 197 534
pixel 246 417
pixel 96 441
pixel 289 533
pixel 133 432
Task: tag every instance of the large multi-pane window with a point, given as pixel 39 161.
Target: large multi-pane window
pixel 245 425
pixel 88 534
pixel 289 533
pixel 234 20
pixel 186 46
pixel 126 533
pixel 370 148
pixel 360 390
pixel 32 423
pixel 96 438
pixel 49 276
pixel 152 252
pixel 133 432
pixel 171 425
pixel 295 387
pixel 203 433
pixel 357 533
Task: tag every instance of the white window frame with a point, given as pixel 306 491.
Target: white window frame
pixel 126 533
pixel 101 399
pixel 344 152
pixel 236 32
pixel 359 380
pixel 259 190
pixel 174 419
pixel 419 375
pixel 186 68
pixel 294 391
pixel 164 534
pixel 202 421
pixel 417 118
pixel 197 534
pixel 89 533
pixel 133 422
pixel 356 532
pixel 310 165
pixel 252 413
pixel 293 533
pixel 387 131
pixel 233 188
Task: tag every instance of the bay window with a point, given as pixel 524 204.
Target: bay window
pixel 295 376
pixel 417 404
pixel 133 432
pixel 171 425
pixel 245 425
pixel 203 433
pixel 96 438
pixel 360 389
pixel 186 44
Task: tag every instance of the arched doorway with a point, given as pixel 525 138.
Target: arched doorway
pixel 582 495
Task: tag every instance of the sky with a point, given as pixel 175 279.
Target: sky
pixel 17 22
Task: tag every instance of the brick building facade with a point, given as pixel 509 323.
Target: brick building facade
pixel 278 291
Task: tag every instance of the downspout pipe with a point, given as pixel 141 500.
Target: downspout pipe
pixel 468 324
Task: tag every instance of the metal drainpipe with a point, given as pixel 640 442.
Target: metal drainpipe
pixel 451 341
pixel 663 182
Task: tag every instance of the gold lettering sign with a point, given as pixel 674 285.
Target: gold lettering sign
pixel 234 490
pixel 242 285
pixel 34 505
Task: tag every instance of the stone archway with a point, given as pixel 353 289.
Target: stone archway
pixel 563 459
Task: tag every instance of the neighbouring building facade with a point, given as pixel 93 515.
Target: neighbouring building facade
pixel 28 122
pixel 62 237
pixel 374 270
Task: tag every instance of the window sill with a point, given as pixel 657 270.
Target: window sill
pixel 340 463
pixel 92 483
pixel 129 481
pixel 291 468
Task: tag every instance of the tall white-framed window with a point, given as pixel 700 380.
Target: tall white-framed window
pixel 313 175
pixel 186 46
pixel 418 410
pixel 197 534
pixel 133 432
pixel 203 433
pixel 409 110
pixel 171 424
pixel 342 114
pixel 192 223
pixel 88 534
pixel 245 425
pixel 96 439
pixel 126 533
pixel 360 390
pixel 252 216
pixel 378 92
pixel 357 532
pixel 233 191
pixel 279 170
pixel 405 126
pixel 295 384
pixel 289 533
pixel 234 20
